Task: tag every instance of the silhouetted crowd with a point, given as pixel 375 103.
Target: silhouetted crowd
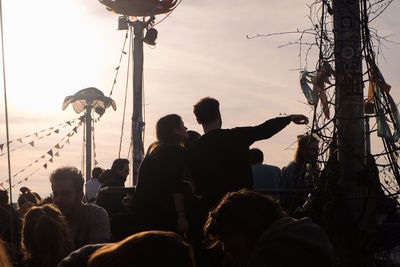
pixel 200 200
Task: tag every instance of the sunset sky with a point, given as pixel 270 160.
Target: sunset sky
pixel 55 48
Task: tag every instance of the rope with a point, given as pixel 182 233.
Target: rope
pixel 7 126
pixel 119 64
pixel 126 91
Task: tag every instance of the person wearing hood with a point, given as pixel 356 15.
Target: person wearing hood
pixel 115 177
pixel 254 231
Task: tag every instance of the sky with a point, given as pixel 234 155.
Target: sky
pixel 55 48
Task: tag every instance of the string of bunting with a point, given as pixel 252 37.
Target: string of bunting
pixel 54 152
pixel 119 64
pixel 37 136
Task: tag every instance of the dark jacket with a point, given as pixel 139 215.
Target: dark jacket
pixel 110 178
pixel 111 202
pixel 291 242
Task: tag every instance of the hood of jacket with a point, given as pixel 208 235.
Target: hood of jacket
pixel 289 236
pixel 110 178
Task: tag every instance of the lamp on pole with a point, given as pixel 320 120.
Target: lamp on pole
pixel 87 100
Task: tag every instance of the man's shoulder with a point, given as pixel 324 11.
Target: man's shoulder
pixel 94 210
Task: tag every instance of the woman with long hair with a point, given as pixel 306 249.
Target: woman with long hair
pixel 45 239
pixel 159 198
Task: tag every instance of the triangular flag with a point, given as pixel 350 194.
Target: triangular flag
pixel 57 131
pixel 51 160
pixel 42 130
pixel 62 147
pixel 50 152
pixel 69 134
pixel 26 179
pixel 57 146
pixel 45 165
pixel 40 137
pixel 57 155
pixel 19 182
pixel 36 134
pixel 68 122
pixel 67 141
pixel 36 160
pixel 72 133
pixel 42 156
pixel 32 143
pixel 27 135
pixel 19 140
pixel 95 162
pixel 48 134
pixel 1 147
pixel 51 128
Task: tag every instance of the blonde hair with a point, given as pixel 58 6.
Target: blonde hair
pixel 4 259
pixel 45 236
pixel 145 249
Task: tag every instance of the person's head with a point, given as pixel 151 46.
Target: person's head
pixel 239 220
pixel 145 249
pixel 3 197
pixel 307 149
pixel 96 172
pixel 45 236
pixel 207 111
pixel 67 185
pixel 170 129
pixel 193 136
pixel 26 200
pixel 121 167
pixel 256 156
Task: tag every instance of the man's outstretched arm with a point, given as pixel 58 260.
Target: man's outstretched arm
pixel 270 127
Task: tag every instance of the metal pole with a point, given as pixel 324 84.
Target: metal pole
pixel 350 127
pixel 88 142
pixel 137 117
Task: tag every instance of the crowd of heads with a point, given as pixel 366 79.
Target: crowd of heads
pixel 233 226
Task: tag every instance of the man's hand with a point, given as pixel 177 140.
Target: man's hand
pixel 183 226
pixel 299 119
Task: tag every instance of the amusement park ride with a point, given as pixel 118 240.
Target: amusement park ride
pixel 139 8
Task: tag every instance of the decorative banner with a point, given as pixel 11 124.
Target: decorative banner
pixel 19 140
pixel 50 152
pixel 32 143
pixel 57 131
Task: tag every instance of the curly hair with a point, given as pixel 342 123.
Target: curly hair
pixel 242 211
